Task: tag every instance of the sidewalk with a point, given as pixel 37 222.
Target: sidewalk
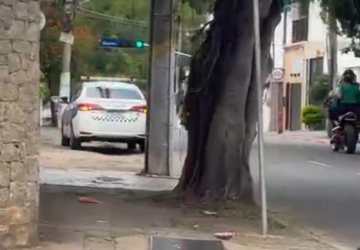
pixel 126 220
pixel 301 137
pixel 104 179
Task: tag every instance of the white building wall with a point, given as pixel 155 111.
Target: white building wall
pixel 278 44
pixel 279 38
pixel 317 33
pixel 317 27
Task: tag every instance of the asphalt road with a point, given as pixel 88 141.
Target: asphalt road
pixel 320 189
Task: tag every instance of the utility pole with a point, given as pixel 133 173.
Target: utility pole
pixel 162 80
pixel 179 50
pixel 68 39
pixel 333 50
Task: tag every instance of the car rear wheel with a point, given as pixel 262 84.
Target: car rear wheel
pixel 142 146
pixel 131 146
pixel 65 141
pixel 75 143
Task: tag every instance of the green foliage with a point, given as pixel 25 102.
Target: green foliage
pixel 200 6
pixel 93 60
pixel 44 92
pixel 128 19
pixel 51 48
pixel 312 116
pixel 320 89
pixel 87 57
pixel 191 21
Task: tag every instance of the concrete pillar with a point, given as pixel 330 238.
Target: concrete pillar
pixel 161 86
pixel 19 122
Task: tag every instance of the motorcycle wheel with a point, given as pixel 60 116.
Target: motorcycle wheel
pixel 351 139
pixel 335 147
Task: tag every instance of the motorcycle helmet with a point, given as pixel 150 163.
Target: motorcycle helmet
pixel 349 76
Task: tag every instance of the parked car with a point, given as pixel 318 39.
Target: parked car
pixel 109 111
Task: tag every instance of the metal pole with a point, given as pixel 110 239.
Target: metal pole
pixel 260 118
pixel 333 43
pixel 66 72
pixel 65 80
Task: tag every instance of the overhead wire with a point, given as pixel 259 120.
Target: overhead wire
pixel 101 16
pixel 125 21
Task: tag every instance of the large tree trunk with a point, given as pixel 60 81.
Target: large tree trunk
pixel 221 102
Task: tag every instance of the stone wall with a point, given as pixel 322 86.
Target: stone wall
pixel 19 118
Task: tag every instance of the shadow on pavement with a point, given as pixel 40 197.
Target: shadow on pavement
pixel 110 149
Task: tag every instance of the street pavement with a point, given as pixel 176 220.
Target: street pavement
pixel 317 187
pixel 93 157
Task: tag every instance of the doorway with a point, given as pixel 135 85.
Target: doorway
pixel 293 106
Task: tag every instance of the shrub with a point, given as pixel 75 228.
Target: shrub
pixel 44 92
pixel 313 116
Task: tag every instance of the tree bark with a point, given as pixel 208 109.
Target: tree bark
pixel 221 103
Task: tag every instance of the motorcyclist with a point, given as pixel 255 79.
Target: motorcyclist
pixel 348 94
pixel 345 98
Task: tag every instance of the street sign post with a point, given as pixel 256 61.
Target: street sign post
pixel 67 38
pixel 260 118
pixel 109 43
pixel 278 75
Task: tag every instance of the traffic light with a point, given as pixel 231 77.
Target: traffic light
pixel 139 44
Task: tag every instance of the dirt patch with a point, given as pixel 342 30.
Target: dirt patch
pixel 126 213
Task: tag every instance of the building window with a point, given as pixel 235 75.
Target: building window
pixel 316 67
pixel 300 30
pixel 300 24
pixel 317 85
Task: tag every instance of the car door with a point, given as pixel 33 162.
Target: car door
pixel 70 112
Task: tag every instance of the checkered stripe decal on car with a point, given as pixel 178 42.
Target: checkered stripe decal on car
pixel 115 118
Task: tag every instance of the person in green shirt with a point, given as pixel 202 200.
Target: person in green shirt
pixel 348 94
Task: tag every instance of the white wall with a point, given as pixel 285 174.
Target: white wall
pixel 279 37
pixel 278 42
pixel 317 28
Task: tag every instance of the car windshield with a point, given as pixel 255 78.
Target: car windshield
pixel 113 93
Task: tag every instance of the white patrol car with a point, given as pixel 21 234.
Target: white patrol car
pixel 111 111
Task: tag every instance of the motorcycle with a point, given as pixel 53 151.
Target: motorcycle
pixel 345 134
